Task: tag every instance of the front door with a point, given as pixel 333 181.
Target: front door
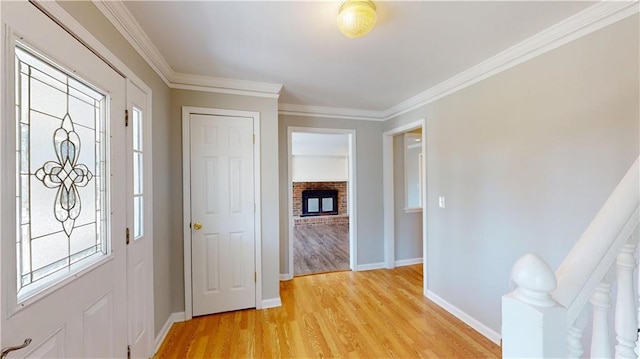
pixel 222 213
pixel 63 194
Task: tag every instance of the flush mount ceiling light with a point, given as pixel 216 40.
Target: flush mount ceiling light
pixel 356 17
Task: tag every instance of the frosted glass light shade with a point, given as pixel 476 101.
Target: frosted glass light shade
pixel 356 17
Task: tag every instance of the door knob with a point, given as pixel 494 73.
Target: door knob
pixel 197 226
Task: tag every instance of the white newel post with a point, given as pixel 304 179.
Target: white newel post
pixel 533 323
pixel 625 318
pixel 601 301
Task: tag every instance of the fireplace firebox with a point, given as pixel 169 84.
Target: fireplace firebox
pixel 319 202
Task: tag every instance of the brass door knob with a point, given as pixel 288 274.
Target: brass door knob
pixel 197 226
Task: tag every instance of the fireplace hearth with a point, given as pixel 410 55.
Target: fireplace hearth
pixel 319 203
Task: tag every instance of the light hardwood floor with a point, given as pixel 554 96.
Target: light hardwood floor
pixel 320 248
pixel 373 314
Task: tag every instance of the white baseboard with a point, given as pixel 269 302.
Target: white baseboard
pixel 285 277
pixel 271 303
pixel 469 320
pixel 370 266
pixel 408 262
pixel 173 318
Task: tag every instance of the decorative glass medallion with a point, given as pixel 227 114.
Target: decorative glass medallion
pixel 61 163
pixel 66 175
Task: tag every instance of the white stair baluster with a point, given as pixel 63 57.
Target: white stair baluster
pixel 574 341
pixel 625 314
pixel 574 335
pixel 601 301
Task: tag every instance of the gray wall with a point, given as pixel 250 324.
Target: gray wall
pixel 368 186
pixel 408 226
pixel 165 188
pixel 268 108
pixel 525 159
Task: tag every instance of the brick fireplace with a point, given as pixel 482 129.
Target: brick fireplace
pixel 342 215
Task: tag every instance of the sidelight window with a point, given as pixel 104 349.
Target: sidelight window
pixel 138 199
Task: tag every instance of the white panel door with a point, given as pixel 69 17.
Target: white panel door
pixel 222 213
pixel 63 194
pixel 139 244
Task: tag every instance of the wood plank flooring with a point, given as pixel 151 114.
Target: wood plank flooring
pixel 320 248
pixel 373 314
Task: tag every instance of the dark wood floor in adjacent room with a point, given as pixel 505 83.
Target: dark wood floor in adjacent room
pixel 372 314
pixel 320 248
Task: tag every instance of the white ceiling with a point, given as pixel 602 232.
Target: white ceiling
pixel 415 45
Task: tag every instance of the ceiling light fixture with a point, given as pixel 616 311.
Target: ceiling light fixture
pixel 356 17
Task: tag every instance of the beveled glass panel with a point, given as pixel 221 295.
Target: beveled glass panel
pixel 137 129
pixel 82 111
pixel 138 222
pixel 137 173
pixel 47 99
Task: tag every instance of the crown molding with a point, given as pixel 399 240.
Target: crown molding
pixel 126 24
pixel 224 85
pixel 329 112
pixel 583 23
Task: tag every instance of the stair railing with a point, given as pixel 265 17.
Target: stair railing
pixel 546 316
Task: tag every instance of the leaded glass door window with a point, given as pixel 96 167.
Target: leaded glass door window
pixel 61 154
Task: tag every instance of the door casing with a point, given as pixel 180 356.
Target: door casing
pixel 187 111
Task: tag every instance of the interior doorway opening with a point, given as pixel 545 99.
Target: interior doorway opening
pixel 321 181
pixel 414 145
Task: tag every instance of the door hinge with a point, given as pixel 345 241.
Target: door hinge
pixel 128 351
pixel 254 139
pixel 126 118
pixel 255 277
pixel 128 235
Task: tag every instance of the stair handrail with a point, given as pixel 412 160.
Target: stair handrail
pixel 594 253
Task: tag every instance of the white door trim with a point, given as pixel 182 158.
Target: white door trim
pixel 353 218
pixel 186 198
pixel 388 195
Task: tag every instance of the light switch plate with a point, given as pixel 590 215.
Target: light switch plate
pixel 441 202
